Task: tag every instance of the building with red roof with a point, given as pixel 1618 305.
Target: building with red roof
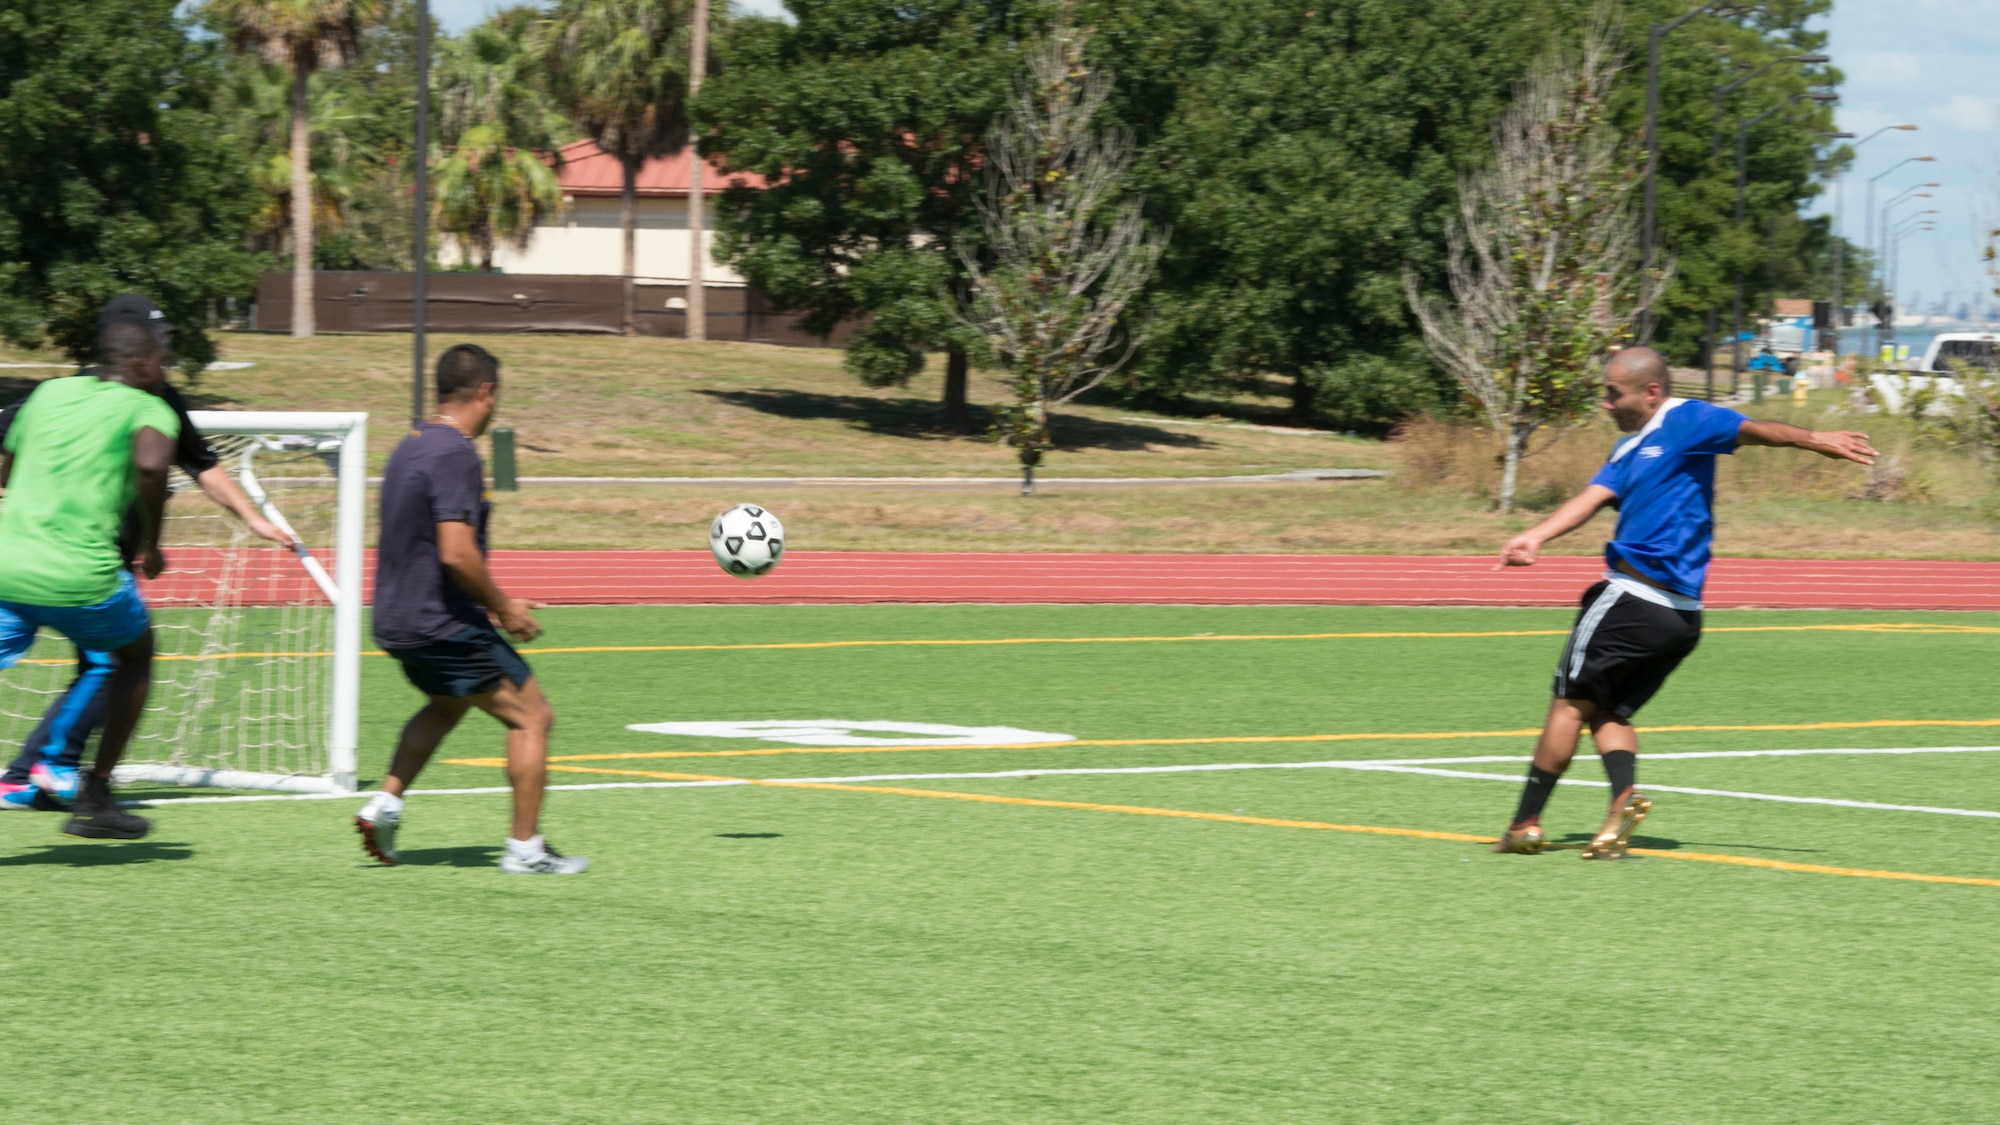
pixel 587 238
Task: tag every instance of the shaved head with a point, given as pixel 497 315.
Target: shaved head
pixel 1636 367
pixel 1636 382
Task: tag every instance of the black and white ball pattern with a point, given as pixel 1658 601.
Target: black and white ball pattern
pixel 747 540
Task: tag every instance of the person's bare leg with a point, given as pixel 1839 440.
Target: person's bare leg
pixel 526 713
pixel 131 683
pixel 421 737
pixel 1560 732
pixel 1553 752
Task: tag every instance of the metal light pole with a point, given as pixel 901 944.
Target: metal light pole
pixel 1840 238
pixel 420 251
pixel 697 287
pixel 1742 173
pixel 1869 237
pixel 1723 91
pixel 1654 34
pixel 1714 153
pixel 1833 305
pixel 1885 329
pixel 1910 225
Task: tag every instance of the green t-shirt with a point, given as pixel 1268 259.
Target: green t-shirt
pixel 72 481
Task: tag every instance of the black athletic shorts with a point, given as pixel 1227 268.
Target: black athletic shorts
pixel 1622 649
pixel 471 661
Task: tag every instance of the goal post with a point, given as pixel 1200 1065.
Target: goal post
pixel 257 672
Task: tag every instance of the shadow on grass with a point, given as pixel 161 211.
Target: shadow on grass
pixel 748 835
pixel 918 418
pixel 1667 844
pixel 106 854
pixel 448 857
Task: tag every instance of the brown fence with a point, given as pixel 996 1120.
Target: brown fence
pixel 356 301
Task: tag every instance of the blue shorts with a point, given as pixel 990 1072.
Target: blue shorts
pixel 471 661
pixel 113 623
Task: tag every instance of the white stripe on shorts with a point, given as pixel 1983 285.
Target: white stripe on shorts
pixel 1579 638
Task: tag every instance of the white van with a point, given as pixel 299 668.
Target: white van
pixel 1934 369
pixel 1981 348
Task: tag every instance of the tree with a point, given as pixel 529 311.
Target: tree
pixel 303 36
pixel 259 100
pixel 867 121
pixel 1069 255
pixel 496 183
pixel 618 69
pixel 121 177
pixel 1542 261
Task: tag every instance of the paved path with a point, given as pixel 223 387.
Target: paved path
pixel 839 577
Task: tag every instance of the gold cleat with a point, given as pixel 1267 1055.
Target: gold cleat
pixel 1616 835
pixel 1521 841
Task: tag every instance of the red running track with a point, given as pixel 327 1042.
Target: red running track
pixel 844 577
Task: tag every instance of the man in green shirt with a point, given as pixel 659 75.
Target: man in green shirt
pixel 79 454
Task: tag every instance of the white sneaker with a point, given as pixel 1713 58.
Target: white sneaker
pixel 550 862
pixel 378 833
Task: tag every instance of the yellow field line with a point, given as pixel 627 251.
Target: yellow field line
pixel 1381 736
pixel 1913 627
pixel 1272 822
pixel 1891 627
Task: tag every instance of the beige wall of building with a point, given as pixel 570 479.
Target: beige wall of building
pixel 587 240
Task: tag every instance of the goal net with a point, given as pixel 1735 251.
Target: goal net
pixel 256 677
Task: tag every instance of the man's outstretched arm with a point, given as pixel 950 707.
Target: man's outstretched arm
pixel 1841 445
pixel 216 482
pixel 1523 549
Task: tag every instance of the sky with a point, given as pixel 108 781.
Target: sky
pixel 1926 63
pixel 1921 62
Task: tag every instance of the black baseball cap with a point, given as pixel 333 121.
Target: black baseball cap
pixel 139 309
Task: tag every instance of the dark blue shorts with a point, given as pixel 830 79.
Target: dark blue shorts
pixel 471 661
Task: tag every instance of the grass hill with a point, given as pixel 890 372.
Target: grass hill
pixel 608 406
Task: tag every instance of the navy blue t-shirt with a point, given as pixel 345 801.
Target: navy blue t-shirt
pixel 1664 476
pixel 435 475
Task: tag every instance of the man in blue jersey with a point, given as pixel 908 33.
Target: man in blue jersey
pixel 1644 618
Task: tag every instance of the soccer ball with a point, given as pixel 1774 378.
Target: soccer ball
pixel 747 540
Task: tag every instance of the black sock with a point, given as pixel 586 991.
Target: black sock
pixel 1541 783
pixel 1622 767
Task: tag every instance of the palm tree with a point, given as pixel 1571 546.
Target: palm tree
pixel 619 69
pixel 258 98
pixel 494 186
pixel 303 36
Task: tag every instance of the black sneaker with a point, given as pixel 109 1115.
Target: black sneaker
pixel 98 816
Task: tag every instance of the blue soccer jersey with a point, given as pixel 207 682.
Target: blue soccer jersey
pixel 1664 478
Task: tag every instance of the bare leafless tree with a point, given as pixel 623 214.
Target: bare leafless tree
pixel 1069 251
pixel 1543 259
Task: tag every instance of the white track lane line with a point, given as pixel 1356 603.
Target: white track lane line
pixel 1393 765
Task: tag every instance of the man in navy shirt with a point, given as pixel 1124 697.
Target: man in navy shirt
pixel 1636 625
pixel 436 608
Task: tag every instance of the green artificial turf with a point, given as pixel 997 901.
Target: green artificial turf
pixel 780 954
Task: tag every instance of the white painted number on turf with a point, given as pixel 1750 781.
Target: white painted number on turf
pixel 849 732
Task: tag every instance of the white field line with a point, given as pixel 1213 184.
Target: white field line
pixel 1394 765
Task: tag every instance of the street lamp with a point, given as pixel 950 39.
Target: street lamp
pixel 1723 91
pixel 1654 34
pixel 1894 252
pixel 1869 237
pixel 1742 165
pixel 1839 235
pixel 420 252
pixel 1885 329
pixel 1833 305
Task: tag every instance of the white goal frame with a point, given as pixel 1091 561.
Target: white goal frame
pixel 349 433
